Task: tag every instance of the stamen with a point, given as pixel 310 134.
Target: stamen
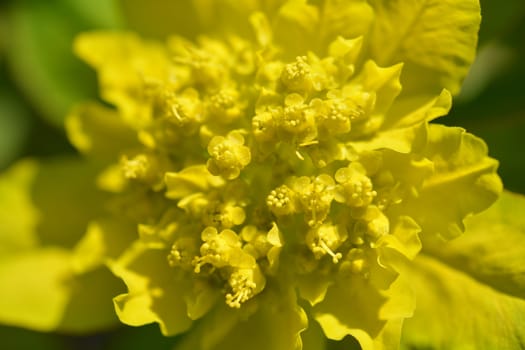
pixel 183 252
pixel 245 284
pixel 224 106
pixel 298 76
pixel 136 167
pixel 228 155
pixel 281 200
pixel 309 143
pixel 324 240
pixel 222 250
pixel 335 256
pixel 315 196
pixel 242 285
pixel 355 187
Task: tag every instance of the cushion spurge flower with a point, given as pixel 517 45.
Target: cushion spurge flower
pixel 280 169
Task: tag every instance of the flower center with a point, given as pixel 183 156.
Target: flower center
pixel 266 171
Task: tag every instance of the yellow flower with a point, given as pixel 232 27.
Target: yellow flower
pixel 282 176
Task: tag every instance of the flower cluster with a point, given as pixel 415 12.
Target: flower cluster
pixel 272 186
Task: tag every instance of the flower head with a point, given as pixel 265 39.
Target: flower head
pixel 282 165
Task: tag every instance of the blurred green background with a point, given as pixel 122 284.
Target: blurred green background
pixel 40 79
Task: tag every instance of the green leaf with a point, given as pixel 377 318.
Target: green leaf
pixel 346 18
pixel 295 26
pixel 18 338
pixel 471 291
pixel 454 311
pixel 190 18
pixel 298 25
pixel 402 140
pixel 39 51
pixel 356 307
pixel 14 124
pixel 65 194
pixel 464 182
pixel 43 292
pixel 18 217
pixel 105 240
pixel 34 293
pixel 493 248
pixel 47 203
pixel 45 210
pixel 155 292
pixel 98 131
pixel 383 81
pixel 435 38
pixel 275 324
pixel 160 17
pixel 90 307
pixel 413 110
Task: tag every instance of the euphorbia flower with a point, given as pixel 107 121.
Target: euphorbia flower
pixel 281 177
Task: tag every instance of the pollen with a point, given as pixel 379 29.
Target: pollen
pixel 337 119
pixel 281 201
pixel 295 118
pixel 335 115
pixel 298 76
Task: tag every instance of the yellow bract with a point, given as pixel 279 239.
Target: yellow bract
pixel 285 157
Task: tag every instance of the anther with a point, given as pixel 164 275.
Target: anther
pixel 281 201
pixel 242 285
pixel 298 76
pixel 324 240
